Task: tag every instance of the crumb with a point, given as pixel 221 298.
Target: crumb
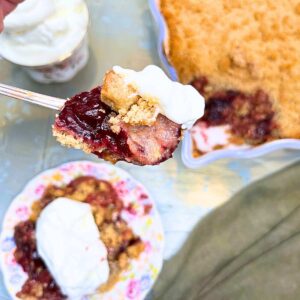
pixel 124 99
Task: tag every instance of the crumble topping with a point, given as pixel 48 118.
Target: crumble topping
pixel 126 101
pixel 139 97
pixel 244 46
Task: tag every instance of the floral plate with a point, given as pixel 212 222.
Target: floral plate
pixel 138 279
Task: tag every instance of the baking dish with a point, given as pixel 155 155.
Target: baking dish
pixel 187 148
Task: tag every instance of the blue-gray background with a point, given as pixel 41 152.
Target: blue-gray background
pixel 121 33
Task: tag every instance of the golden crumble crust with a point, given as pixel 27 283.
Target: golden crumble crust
pixel 69 141
pixel 244 45
pixel 125 100
pixel 116 93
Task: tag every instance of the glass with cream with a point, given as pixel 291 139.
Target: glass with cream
pixel 47 38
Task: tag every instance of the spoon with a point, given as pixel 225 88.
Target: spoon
pixel 35 98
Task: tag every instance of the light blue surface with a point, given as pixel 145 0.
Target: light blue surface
pixel 121 32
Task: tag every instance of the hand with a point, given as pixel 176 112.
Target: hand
pixel 7 6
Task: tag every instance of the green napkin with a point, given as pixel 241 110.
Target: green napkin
pixel 249 248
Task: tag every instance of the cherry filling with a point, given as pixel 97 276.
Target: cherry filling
pixel 40 284
pixel 250 116
pixel 86 118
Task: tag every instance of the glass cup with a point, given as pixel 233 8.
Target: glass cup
pixel 65 66
pixel 63 70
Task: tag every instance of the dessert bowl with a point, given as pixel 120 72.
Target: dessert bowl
pixel 135 281
pixel 191 155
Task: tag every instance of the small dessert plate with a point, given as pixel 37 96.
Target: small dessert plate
pixel 137 280
pixel 231 150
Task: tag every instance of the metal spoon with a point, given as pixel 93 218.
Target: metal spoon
pixel 35 98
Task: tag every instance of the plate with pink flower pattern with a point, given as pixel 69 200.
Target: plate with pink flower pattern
pixel 138 212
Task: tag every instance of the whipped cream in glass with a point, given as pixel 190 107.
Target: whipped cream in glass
pixel 42 33
pixel 68 241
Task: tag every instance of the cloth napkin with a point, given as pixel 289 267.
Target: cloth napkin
pixel 249 248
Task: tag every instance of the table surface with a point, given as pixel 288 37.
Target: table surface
pixel 119 34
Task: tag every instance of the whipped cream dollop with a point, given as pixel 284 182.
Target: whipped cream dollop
pixel 180 103
pixel 39 32
pixel 68 241
pixel 28 14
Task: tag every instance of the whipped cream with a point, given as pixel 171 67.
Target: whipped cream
pixel 68 241
pixel 208 139
pixel 40 33
pixel 180 103
pixel 28 14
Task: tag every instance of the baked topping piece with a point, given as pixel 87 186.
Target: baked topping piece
pixel 248 47
pixel 128 118
pixel 139 97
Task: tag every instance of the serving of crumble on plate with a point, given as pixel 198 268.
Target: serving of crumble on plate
pixel 124 213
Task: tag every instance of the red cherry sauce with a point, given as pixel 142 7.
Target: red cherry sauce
pixel 40 284
pixel 86 117
pixel 249 116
